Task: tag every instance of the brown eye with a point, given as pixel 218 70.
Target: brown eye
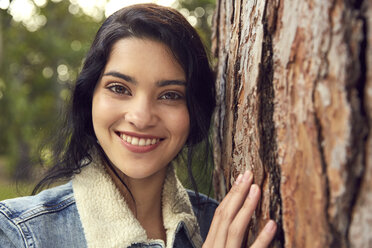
pixel 171 96
pixel 119 89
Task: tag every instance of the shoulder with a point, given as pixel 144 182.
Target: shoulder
pixel 202 202
pixel 29 206
pixel 35 220
pixel 204 208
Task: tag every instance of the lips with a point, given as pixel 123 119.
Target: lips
pixel 139 143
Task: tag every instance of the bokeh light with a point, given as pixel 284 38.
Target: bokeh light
pixel 28 11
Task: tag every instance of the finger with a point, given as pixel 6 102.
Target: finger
pixel 239 225
pixel 266 235
pixel 209 242
pixel 229 210
pixel 219 214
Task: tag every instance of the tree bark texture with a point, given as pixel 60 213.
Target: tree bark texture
pixel 294 94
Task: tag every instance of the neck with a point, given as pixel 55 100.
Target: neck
pixel 144 200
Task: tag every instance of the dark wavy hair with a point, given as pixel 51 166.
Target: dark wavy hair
pixel 76 139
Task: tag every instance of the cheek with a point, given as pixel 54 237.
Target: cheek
pixel 96 110
pixel 103 112
pixel 180 123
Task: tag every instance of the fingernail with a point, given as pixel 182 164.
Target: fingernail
pixel 253 191
pixel 270 226
pixel 247 176
pixel 238 179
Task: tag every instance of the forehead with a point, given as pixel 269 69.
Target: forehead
pixel 144 57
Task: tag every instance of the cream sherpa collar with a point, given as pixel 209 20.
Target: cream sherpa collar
pixel 107 220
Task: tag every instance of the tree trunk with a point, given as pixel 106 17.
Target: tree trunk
pixel 294 94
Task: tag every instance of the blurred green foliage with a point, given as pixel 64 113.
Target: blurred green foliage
pixel 36 72
pixel 10 190
pixel 200 14
pixel 38 67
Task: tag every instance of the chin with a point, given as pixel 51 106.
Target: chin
pixel 141 172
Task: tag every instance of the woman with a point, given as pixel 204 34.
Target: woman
pixel 145 91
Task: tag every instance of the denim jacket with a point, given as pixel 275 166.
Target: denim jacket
pixel 61 217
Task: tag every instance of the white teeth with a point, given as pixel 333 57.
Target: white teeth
pixel 141 142
pixel 134 141
pixel 138 141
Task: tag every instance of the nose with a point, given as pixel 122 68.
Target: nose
pixel 141 113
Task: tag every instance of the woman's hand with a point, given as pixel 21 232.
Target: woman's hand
pixel 232 216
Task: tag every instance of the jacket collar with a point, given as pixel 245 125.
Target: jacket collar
pixel 107 220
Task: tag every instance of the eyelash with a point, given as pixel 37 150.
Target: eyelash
pixel 120 89
pixel 174 96
pixel 115 86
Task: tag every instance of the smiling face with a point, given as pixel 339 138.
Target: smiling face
pixel 139 110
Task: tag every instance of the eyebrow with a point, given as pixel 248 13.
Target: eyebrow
pixel 122 76
pixel 171 82
pixel 130 79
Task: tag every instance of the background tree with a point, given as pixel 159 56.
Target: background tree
pixel 294 106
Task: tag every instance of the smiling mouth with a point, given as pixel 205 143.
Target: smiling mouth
pixel 137 141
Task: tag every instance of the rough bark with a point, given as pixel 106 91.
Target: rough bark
pixel 294 83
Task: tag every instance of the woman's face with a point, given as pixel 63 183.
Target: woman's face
pixel 139 107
